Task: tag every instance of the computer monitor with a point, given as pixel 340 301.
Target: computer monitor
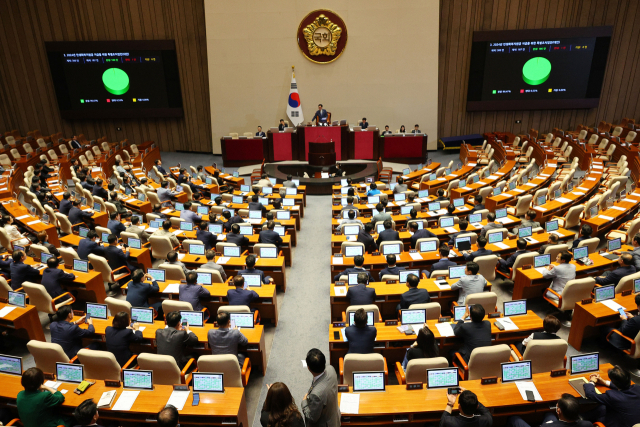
pixel 352 278
pixel 83 201
pixel 204 382
pixel 11 365
pixel 405 273
pixel 434 206
pixel 289 191
pixel 136 379
pixel 255 214
pixel 604 293
pixel 541 260
pixel 268 252
pixel 512 184
pixel 392 249
pixel 252 280
pixel 458 312
pixel 196 249
pixel 524 232
pixel 501 213
pixel 557 193
pixel 458 202
pixel 497 191
pixel 551 225
pixel 245 188
pixel 215 228
pixel 351 251
pixel 589 362
pixel 424 193
pixel 105 237
pixel 428 246
pixel 541 200
pixel 463 243
pixel 97 311
pixel 433 177
pixel 45 257
pixel 264 201
pixel 83 231
pixel 142 315
pixel 569 186
pixel 636 286
pixel 186 226
pixel 399 197
pixel 155 224
pixel 18 248
pixel 516 371
pixel 475 218
pixel 203 278
pixel 296 182
pixel 379 228
pixel 69 372
pixel 246 230
pixel 447 171
pixel 237 199
pixel 267 190
pixel 476 178
pixel 413 317
pixel 127 191
pixel 288 202
pixel 525 179
pixel 344 182
pixel 193 318
pixel 368 381
pixel 157 274
pixel 593 211
pixel 374 200
pixel 446 222
pixel 81 266
pixel 241 320
pixel 179 188
pixel 344 190
pixel 351 230
pixel 283 215
pixel 495 237
pixel 134 243
pixel 370 318
pixel 406 171
pixel 614 244
pixel 515 308
pixel 231 251
pixel 97 207
pixel 236 174
pixel 405 210
pixel 142 197
pixel 579 253
pixel 442 378
pixel 457 272
pixel 45 218
pixel 16 299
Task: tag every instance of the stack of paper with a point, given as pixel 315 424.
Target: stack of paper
pixel 445 329
pixel 349 403
pixel 222 260
pixel 6 310
pixel 107 399
pixel 612 304
pixel 415 256
pixel 450 230
pixel 508 324
pixel 338 260
pixel 126 400
pixel 172 288
pixel 178 399
pixel 523 386
pixel 502 245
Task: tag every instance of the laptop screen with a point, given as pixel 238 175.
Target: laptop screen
pixel 196 249
pixel 134 243
pixel 541 200
pixel 551 225
pixel 186 226
pixel 237 199
pixel 582 252
pixel 17 299
pixel 494 237
pixel 290 191
pixel 208 383
pixel 284 215
pixel 428 246
pixel 501 213
pixel 516 371
pixel 463 243
pixel 157 274
pixel 399 197
pixel 155 224
pixel 69 373
pixel 10 365
pixel 458 312
pixel 98 311
pixel 255 214
pixel 512 185
pixel 350 251
pixel 413 317
pixel 252 280
pixel 245 188
pixel 457 272
pixel 97 206
pixel 524 232
pixel 105 237
pixel 447 222
pixel 80 265
pixel 406 171
pixel 368 381
pixel 589 362
pixel 442 378
pixel 82 231
pixel 374 200
pixel 405 273
pixel 267 190
pixel 497 191
pixel 193 318
pixel 636 286
pixel 541 260
pixel 241 320
pixel 351 230
pixel 475 218
pixel 391 249
pixel 614 244
pixel 142 315
pixel 405 210
pixel 458 202
pixel 233 251
pixel 424 193
pixel 137 379
pixel 370 318
pixel 215 228
pixel 269 252
pixel 45 257
pixel 604 293
pixel 288 202
pixel 204 278
pixel 515 308
pixel 435 206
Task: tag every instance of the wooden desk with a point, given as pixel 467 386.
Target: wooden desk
pixel 443 181
pixel 225 177
pixel 16 210
pixel 141 256
pixel 613 217
pixel 416 175
pixel 24 321
pixel 472 189
pixel 510 197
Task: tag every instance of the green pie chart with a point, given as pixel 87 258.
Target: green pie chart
pixel 115 81
pixel 536 70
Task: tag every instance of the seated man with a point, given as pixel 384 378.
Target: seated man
pixel 164 193
pixel 416 129
pixel 492 224
pixel 351 220
pixel 21 272
pixel 138 291
pixel 373 190
pixel 92 244
pixel 166 231
pixel 115 199
pixel 78 216
pixel 585 233
pixel 289 182
pixel 99 191
pixel 192 292
pixel 260 133
pixel 270 236
pixel 482 243
pixel 551 241
pixel 86 414
pixel 472 283
pixel 160 168
pixel 360 336
pixel 635 253
pixel 629 327
pixel 236 237
pixel 205 236
pixel 551 326
pixel 388 234
pixel 188 214
pixel 472 412
pixel 175 338
pixel 364 123
pixel 418 234
pixel 474 334
pixel 172 258
pixel 350 206
pixel 444 262
pixel 441 197
pixel 463 225
pixel 380 215
pixel 567 413
pixel 65 203
pixel 619 405
pixel 365 237
pixel 235 219
pixel 185 179
pixel 264 181
pixel 360 294
pixel 134 228
pixel 400 187
pixel 391 269
pixel 560 274
pixel 255 205
pixel 250 261
pixel 115 225
pixel 225 340
pixel 477 204
pixel 386 131
pixel 413 295
pixel 239 295
pixel 282 125
pixel 68 334
pixel 505 266
pixel 528 221
pixel 450 210
pixel 53 277
pixel 358 261
pixel 211 264
pixel 625 268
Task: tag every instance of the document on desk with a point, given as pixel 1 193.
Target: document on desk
pixel 606 218
pixel 523 386
pixel 126 400
pixel 349 403
pixel 540 208
pixel 508 324
pixel 540 270
pixel 502 245
pixel 340 291
pixel 517 190
pixel 466 188
pixel 450 230
pixel 618 208
pixel 370 206
pixel 577 193
pixel 504 220
pixel 344 336
pixel 107 399
pixel 338 260
pixel 563 200
pixel 222 260
pixel 443 285
pixel 612 304
pixel 178 399
pixel 6 310
pixel 34 222
pixel 53 384
pixel 445 329
pixel 172 288
pixel 180 256
pixel 22 217
pixel 415 256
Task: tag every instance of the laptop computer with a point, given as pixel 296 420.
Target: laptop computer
pixel 10 365
pixel 157 274
pixel 81 266
pixel 69 372
pixel 17 299
pixel 515 308
pixel 613 245
pixel 241 320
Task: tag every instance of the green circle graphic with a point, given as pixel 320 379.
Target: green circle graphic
pixel 115 81
pixel 536 70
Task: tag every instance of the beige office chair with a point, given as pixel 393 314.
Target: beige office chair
pixel 160 246
pixel 377 318
pixel 571 220
pixel 503 230
pixel 487 264
pixel 591 243
pixel 115 306
pixel 417 369
pixel 521 207
pixel 433 309
pixel 68 255
pixel 38 250
pixel 575 290
pixel 361 362
pixel 125 236
pixel 215 275
pixel 109 276
pixel 102 365
pixel 227 364
pixel 484 362
pixel 487 300
pixel 39 297
pixel 5 288
pixel 221 245
pixel 626 236
pixel 554 250
pixel 46 355
pixel 344 245
pixel 165 369
pixel 240 309
pixel 545 355
pixel 522 259
pixel 175 222
pixel 626 283
pixel 169 305
pixel 188 242
pixel 173 272
pixel 634 349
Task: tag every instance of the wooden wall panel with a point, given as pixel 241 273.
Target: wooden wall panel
pixel 27 98
pixel 620 95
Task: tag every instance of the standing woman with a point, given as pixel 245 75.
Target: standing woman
pixel 120 335
pixel 402 129
pixel 14 234
pixel 279 409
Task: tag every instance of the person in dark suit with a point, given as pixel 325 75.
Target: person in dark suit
pixel 239 295
pixel 361 337
pixel 387 234
pixel 83 182
pixel 475 334
pixel 188 213
pixel 114 198
pixel 236 237
pixel 192 292
pixel 175 338
pixel 86 414
pixel 78 216
pixel 75 144
pixel 391 269
pixel 185 179
pixel 360 294
pixel 612 277
pixel 477 204
pixel 270 236
pixel 205 236
pixel 90 245
pixel 138 291
pixel 566 414
pixel 463 225
pixel 322 115
pixel 250 261
pixel 551 326
pixel 416 129
pixel 364 236
pixel 21 272
pixel 441 197
pixel 116 257
pixel 482 251
pixel 99 191
pixel 260 133
pixel 618 405
pixel 255 205
pixel 160 168
pixel 320 406
pixel 65 203
pixel 551 241
pixel 120 335
pixel 282 125
pixel 418 234
pixel 225 340
pixel 629 327
pixel 413 295
pixel 635 253
pixel 115 225
pixel 5 265
pixel 53 277
pixel 68 334
pixel 386 131
pixel 585 233
pixel 472 412
pixel 521 246
pixel 230 220
pixel 364 123
pixel 358 261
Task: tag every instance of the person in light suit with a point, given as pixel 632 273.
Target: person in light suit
pixel 320 406
pixel 225 340
pixel 164 193
pixel 188 214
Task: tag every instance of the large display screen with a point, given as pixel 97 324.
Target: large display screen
pixel 537 69
pixel 118 79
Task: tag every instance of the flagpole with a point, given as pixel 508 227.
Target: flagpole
pixel 293 70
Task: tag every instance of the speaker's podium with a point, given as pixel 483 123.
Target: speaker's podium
pixel 322 153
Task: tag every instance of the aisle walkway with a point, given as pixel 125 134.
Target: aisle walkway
pixel 304 313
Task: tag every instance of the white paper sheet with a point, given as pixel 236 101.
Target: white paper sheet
pixel 612 304
pixel 626 199
pixel 504 220
pixel 493 177
pixel 517 190
pixel 450 230
pixel 530 184
pixel 577 193
pixel 6 310
pixel 370 206
pixel 531 240
pixel 178 399
pixel 508 324
pixel 181 256
pixel 591 179
pixel 172 288
pixel 177 232
pixel 52 384
pixel 126 400
pixel 416 256
pixel 541 270
pixel 222 260
pixel 583 189
pixel 523 386
pixel 34 222
pixel 338 260
pixel 618 208
pixel 166 211
pixel 445 329
pixel 443 286
pixel 502 245
pixel 472 164
pixel 23 217
pixel 106 399
pixel 539 208
pixel 563 200
pixel 466 188
pixel 607 218
pixel 340 291
pixel 349 403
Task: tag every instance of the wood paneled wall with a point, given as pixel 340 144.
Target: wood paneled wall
pixel 459 18
pixel 27 98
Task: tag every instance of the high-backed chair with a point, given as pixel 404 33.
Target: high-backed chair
pixel 227 364
pixel 109 276
pixel 521 207
pixel 521 260
pixel 361 362
pixel 554 250
pixel 571 220
pixel 115 306
pixel 102 365
pixel 633 227
pixel 216 277
pixel 433 309
pixel 545 355
pixel 165 369
pixel 626 283
pixel 634 348
pixel 487 264
pixel 173 272
pixel 484 362
pixel 344 245
pixel 417 369
pixel 591 243
pixel 4 288
pixel 170 305
pixel 160 246
pixel 46 355
pixel 367 307
pixel 575 290
pixel 487 300
pixel 239 309
pixel 39 297
pixel 68 255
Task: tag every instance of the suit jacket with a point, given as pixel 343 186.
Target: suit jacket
pixel 161 170
pixel 257 206
pixel 353 270
pixel 209 239
pixel 5 267
pixel 479 252
pixel 76 216
pixel 87 246
pixel 226 341
pixel 241 296
pixel 138 231
pixel 636 257
pixel 414 296
pixel 364 125
pixel 238 239
pixel 477 207
pixel 75 144
pixel 321 115
pixel 473 335
pixel 482 418
pixel 138 293
pixel 622 405
pixel 367 239
pixel 211 265
pixel 416 131
pixel 361 295
pixel 282 126
pixel 192 294
pixel 490 226
pixel 21 272
pixel 289 184
pixel 380 217
pixel 616 275
pixel 261 134
pixel 321 408
pixel 190 216
pixel 270 236
pixel 173 342
pixel 361 340
pixel 116 227
pixel 65 206
pixel 52 249
pixel 392 271
pixel 116 258
pixel 265 279
pixel 87 186
pixel 512 259
pixel 52 278
pixel 387 235
pixel 118 341
pixel 469 285
pixel 577 241
pixel 420 234
pixel 233 220
pixel 629 328
pixel 164 194
pixel 443 264
pixel 69 336
pixel 100 192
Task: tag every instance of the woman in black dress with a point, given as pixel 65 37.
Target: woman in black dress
pixel 402 129
pixel 120 335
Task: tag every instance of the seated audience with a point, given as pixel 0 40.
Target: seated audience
pixel 618 406
pixel 444 262
pixel 175 338
pixel 92 244
pixel 138 291
pixel 53 278
pixel 236 237
pixel 527 221
pixel 551 241
pixel 413 295
pixel 560 274
pixel 474 334
pixel 388 234
pixel 239 295
pixel 629 327
pixel 350 220
pixel 424 347
pixel 166 231
pixel 172 259
pixel 418 234
pixel 360 294
pixel 250 262
pixel 168 417
pixel 86 414
pixel 521 249
pixel 211 264
pixel 477 204
pixel 270 236
pixel 42 240
pixel 279 409
pixel 492 224
pixel 585 233
pixel 471 412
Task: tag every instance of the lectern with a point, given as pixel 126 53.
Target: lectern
pixel 322 153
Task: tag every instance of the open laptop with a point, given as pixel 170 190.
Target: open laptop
pixel 97 311
pixel 208 382
pixel 604 293
pixel 463 243
pixel 516 371
pixel 370 318
pixel 17 299
pixel 457 272
pixel 368 381
pixel 540 262
pixel 135 379
pixel 193 318
pixel 613 245
pixel 81 266
pixel 515 308
pixel 10 365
